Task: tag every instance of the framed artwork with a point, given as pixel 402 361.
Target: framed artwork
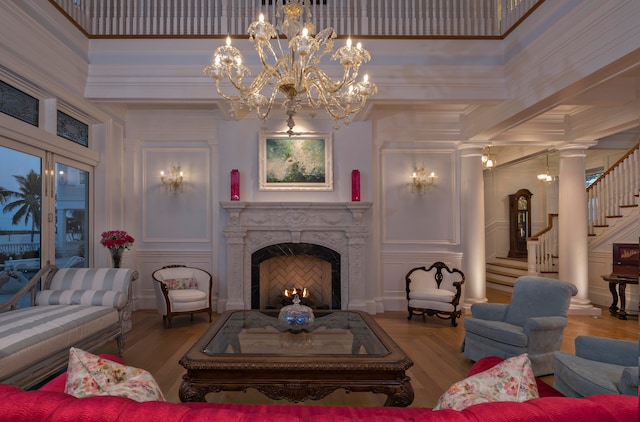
pixel 300 163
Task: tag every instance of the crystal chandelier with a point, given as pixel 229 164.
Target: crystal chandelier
pixel 293 71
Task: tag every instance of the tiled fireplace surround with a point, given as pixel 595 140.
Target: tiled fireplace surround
pixel 339 226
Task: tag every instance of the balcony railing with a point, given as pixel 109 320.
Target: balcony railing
pixel 363 18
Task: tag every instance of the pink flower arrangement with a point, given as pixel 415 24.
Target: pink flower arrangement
pixel 116 239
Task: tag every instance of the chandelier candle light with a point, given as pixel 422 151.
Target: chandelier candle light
pixel 293 71
pixel 116 241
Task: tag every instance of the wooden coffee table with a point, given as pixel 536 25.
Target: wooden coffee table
pixel 340 350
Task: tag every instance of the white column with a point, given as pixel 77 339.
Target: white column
pixel 572 227
pixel 472 225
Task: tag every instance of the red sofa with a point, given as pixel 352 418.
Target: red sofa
pixel 49 403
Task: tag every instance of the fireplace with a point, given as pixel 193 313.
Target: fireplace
pixel 333 232
pixel 284 266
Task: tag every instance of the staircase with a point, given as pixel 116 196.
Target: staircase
pixel 612 202
pixel 502 272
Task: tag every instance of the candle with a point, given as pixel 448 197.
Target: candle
pixel 355 185
pixel 235 185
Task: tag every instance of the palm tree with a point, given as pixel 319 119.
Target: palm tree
pixel 27 203
pixel 5 194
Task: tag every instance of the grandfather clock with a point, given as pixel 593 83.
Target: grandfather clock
pixel 519 223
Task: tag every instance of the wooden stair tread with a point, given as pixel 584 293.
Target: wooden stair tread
pixel 500 282
pixel 508 258
pixel 502 273
pixel 500 264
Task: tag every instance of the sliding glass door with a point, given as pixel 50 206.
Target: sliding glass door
pixel 20 215
pixel 44 213
pixel 71 215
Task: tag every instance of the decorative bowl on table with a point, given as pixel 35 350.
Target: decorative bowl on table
pixel 296 317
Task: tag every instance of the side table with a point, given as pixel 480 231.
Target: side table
pixel 622 285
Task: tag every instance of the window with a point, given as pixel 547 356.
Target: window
pixel 16 103
pixel 592 175
pixel 73 129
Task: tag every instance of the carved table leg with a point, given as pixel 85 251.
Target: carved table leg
pixel 622 314
pixel 614 306
pixel 193 392
pixel 399 396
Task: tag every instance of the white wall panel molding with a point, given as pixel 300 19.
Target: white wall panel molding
pixel 182 216
pixel 412 217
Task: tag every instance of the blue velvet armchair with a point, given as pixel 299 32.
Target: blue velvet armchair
pixel 532 323
pixel 600 366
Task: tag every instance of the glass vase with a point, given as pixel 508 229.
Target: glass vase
pixel 116 256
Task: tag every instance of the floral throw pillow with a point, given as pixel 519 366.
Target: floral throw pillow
pixel 90 375
pixel 510 380
pixel 181 283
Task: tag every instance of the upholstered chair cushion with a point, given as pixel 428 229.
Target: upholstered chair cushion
pixel 600 366
pixel 187 299
pixel 181 283
pixel 109 298
pixel 533 300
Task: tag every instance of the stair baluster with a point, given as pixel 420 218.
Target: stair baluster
pixel 616 188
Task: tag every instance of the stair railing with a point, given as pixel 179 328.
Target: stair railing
pixel 542 249
pixel 616 188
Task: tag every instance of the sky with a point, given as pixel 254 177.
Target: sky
pixel 12 163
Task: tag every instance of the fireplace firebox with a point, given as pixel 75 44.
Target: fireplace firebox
pixel 324 285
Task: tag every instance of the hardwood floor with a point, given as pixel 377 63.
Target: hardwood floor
pixel 432 344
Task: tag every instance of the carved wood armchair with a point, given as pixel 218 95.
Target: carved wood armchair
pixel 435 291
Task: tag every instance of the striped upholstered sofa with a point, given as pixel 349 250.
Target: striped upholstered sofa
pixel 79 307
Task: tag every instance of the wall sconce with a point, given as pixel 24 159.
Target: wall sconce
pixel 173 180
pixel 546 177
pixel 420 181
pixel 487 161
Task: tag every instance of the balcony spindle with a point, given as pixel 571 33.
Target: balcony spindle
pixel 350 17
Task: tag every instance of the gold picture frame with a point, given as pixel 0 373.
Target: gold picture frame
pixel 296 163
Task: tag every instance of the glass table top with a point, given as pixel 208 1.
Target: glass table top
pixel 252 332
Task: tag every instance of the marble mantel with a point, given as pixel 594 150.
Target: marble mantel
pixel 341 226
